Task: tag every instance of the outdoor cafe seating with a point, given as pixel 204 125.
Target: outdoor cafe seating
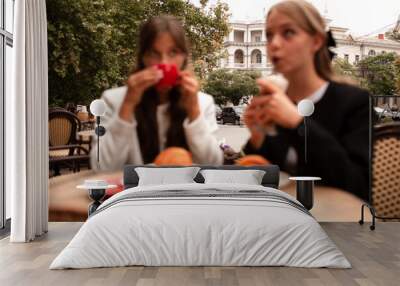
pixel 65 148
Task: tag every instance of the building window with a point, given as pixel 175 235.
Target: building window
pixel 259 58
pixel 256 57
pixel 239 57
pixel 371 53
pixel 256 36
pixel 346 57
pixel 238 36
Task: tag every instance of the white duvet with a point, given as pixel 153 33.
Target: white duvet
pixel 183 231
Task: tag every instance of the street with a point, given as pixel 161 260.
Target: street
pixel 235 136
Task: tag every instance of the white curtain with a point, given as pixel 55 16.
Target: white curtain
pixel 27 123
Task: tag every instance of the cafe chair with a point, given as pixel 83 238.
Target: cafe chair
pixel 64 148
pixel 385 174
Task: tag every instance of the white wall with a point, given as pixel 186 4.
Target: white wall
pixel 350 50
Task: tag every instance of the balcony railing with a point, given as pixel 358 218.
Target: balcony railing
pixel 257 65
pixel 251 43
pixel 238 65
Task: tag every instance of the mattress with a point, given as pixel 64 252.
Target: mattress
pixel 201 225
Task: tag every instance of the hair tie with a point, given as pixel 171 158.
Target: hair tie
pixel 330 43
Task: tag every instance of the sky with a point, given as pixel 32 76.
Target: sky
pixel 362 17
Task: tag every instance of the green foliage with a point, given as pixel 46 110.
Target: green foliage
pixel 231 86
pixel 397 71
pixel 393 35
pixel 92 43
pixel 379 73
pixel 343 68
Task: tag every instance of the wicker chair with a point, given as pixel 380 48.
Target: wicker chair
pixel 64 148
pixel 385 170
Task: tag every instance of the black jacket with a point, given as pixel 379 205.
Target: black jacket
pixel 337 141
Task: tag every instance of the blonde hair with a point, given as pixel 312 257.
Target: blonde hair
pixel 310 20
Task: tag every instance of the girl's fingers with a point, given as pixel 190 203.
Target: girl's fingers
pixel 186 73
pixel 154 73
pixel 182 75
pixel 189 85
pixel 251 113
pixel 190 91
pixel 144 77
pixel 266 87
pixel 187 76
pixel 261 100
pixel 185 80
pixel 265 119
pixel 150 78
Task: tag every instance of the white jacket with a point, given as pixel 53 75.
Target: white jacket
pixel 120 145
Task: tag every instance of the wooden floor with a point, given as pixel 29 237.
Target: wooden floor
pixel 374 255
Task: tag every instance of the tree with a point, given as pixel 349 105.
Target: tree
pixel 92 43
pixel 397 71
pixel 231 86
pixel 393 35
pixel 379 73
pixel 343 69
pixel 81 61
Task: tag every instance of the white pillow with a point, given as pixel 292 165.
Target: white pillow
pixel 163 176
pixel 248 177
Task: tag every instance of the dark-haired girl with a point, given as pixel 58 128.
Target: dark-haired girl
pixel 142 120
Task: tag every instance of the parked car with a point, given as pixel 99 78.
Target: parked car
pixel 240 110
pixel 230 115
pixel 387 114
pixel 218 113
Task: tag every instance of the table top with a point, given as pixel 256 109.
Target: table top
pixel 65 204
pixel 90 120
pixel 86 133
pixel 86 187
pixel 305 178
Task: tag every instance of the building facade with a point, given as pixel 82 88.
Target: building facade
pixel 246 46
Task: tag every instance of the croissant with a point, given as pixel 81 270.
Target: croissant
pixel 252 160
pixel 174 156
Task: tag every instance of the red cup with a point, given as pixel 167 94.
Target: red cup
pixel 170 76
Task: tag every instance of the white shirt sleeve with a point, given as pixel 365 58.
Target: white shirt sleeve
pixel 115 144
pixel 120 146
pixel 200 136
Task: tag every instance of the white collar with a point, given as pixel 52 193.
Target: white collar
pixel 317 95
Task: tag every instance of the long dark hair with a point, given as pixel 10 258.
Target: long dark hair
pixel 145 113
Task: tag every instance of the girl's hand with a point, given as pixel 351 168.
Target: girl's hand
pixel 274 105
pixel 140 81
pixel 137 83
pixel 252 121
pixel 189 87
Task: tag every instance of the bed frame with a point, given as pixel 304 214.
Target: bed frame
pixel 270 179
pixel 131 179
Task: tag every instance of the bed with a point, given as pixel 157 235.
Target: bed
pixel 201 224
